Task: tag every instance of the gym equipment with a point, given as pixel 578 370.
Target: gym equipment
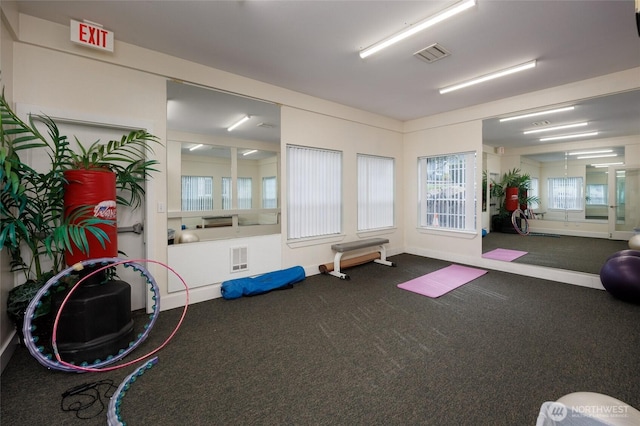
pixel 620 275
pixel 634 242
pixel 520 222
pixel 276 280
pixel 342 248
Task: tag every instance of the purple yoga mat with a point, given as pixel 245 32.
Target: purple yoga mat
pixel 504 254
pixel 442 281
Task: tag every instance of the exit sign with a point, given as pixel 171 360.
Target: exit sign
pixel 91 35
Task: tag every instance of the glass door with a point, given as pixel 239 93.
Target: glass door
pixel 624 202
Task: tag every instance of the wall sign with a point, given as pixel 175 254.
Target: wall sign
pixel 92 35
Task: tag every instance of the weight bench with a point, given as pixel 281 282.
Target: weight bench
pixel 342 248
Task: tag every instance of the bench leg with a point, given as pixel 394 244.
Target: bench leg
pixel 383 257
pixel 336 268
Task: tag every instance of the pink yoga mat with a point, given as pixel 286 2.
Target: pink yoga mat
pixel 504 254
pixel 442 281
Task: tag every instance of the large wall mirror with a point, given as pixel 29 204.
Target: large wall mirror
pixel 222 180
pixel 586 189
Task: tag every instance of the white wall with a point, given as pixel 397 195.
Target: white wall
pixel 454 138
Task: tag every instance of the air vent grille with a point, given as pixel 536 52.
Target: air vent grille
pixel 432 53
pixel 239 259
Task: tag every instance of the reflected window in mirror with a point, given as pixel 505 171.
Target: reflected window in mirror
pixel 197 193
pixel 269 192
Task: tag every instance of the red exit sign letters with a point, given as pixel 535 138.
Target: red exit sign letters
pixel 91 35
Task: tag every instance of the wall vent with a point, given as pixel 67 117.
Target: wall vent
pixel 239 259
pixel 432 53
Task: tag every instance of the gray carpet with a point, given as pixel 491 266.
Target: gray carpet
pixel 580 254
pixel 363 352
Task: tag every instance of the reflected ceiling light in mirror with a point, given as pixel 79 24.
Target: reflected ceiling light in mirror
pixel 416 28
pixel 599 151
pixel 239 122
pixel 534 114
pixel 549 129
pixel 578 135
pixel 487 77
pixel 601 165
pixel 250 152
pixel 586 157
pixel 193 148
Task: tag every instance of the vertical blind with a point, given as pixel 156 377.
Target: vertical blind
pixel 566 193
pixel 269 193
pixel 314 192
pixel 244 193
pixel 375 192
pixel 197 193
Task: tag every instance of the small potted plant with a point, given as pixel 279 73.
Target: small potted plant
pixel 37 228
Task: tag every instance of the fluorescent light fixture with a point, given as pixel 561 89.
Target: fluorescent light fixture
pixel 599 151
pixel 600 165
pixel 415 28
pixel 487 77
pixel 193 148
pixel 578 135
pixel 549 129
pixel 534 114
pixel 250 152
pixel 586 157
pixel 239 122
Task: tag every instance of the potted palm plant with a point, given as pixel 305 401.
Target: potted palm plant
pixel 512 191
pixel 39 225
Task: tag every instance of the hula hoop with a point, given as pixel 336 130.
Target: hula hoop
pixel 520 222
pixel 47 359
pixel 113 414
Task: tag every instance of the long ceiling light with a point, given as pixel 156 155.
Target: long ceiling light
pixel 586 157
pixel 552 128
pixel 415 28
pixel 534 114
pixel 193 148
pixel 598 151
pixel 239 122
pixel 600 165
pixel 578 135
pixel 487 77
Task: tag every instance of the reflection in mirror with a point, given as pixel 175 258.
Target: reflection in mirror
pixel 586 191
pixel 225 184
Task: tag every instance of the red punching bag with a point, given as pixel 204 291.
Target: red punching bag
pixel 95 189
pixel 511 199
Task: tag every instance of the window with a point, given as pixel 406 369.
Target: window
pixel 314 192
pixel 269 193
pixel 226 193
pixel 244 193
pixel 534 193
pixel 446 189
pixel 375 192
pixel 197 193
pixel 566 193
pixel 596 194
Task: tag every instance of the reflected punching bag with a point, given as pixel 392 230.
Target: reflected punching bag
pixel 511 198
pixel 94 191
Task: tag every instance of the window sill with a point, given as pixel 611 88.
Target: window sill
pixel 467 235
pixel 315 241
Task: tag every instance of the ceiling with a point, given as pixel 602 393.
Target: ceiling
pixel 312 47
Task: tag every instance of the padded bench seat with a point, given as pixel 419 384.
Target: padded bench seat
pixel 342 248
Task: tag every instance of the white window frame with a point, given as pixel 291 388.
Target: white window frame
pixel 566 193
pixel 447 193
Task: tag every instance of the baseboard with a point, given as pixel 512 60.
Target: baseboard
pixel 7 350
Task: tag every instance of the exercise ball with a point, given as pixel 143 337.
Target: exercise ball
pixel 634 242
pixel 620 275
pixel 188 237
